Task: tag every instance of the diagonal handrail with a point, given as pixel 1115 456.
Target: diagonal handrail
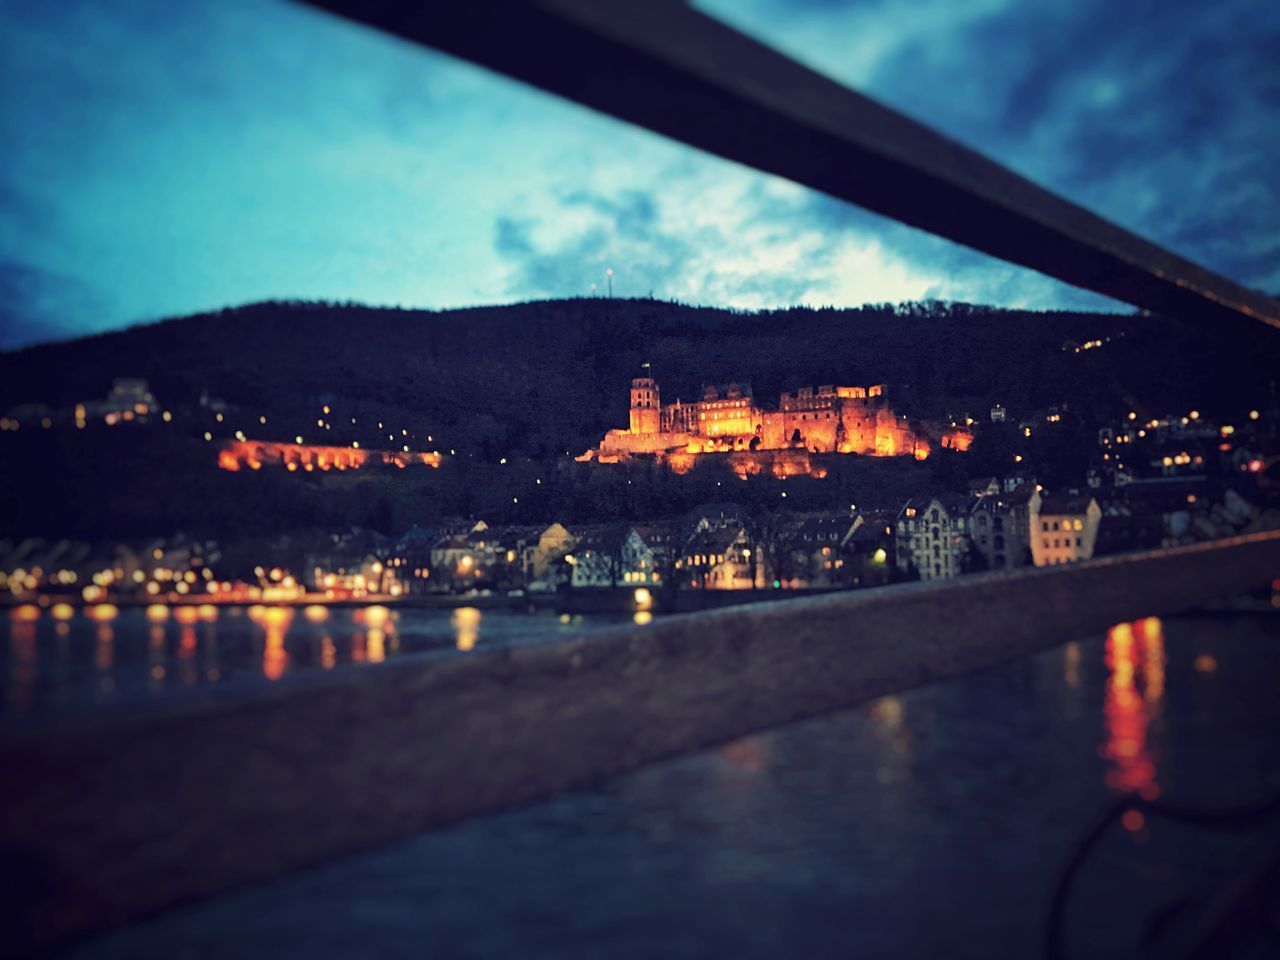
pixel 678 72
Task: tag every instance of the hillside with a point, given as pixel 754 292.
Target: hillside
pixel 539 378
pixel 532 382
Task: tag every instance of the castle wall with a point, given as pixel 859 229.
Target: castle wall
pixel 817 428
pixel 859 421
pixel 773 432
pixel 622 442
pixel 828 419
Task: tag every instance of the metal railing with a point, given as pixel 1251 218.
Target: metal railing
pixel 662 65
pixel 132 811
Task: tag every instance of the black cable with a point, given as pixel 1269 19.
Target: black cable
pixel 1232 817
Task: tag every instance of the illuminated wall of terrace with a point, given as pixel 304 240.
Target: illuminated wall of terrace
pixel 254 455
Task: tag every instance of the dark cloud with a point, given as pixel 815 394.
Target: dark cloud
pixel 511 238
pixel 1164 117
pixel 32 305
pixel 623 233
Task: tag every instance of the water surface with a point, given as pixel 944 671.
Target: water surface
pixel 932 824
pixel 79 659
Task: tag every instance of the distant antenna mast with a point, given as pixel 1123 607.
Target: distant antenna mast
pixel 609 273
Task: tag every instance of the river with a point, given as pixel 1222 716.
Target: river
pixel 65 660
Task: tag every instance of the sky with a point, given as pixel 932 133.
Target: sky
pixel 161 159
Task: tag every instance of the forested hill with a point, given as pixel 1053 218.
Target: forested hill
pixel 539 378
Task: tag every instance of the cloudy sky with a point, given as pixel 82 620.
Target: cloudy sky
pixel 165 158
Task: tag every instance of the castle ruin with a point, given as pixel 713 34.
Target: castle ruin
pixel 826 419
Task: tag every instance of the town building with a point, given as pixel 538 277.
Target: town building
pixel 1064 528
pixel 999 527
pixel 721 558
pixel 807 551
pixel 869 554
pixel 462 559
pixel 933 537
pixel 129 398
pixel 617 556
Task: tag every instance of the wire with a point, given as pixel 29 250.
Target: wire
pixel 1229 818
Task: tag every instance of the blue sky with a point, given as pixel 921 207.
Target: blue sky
pixel 161 159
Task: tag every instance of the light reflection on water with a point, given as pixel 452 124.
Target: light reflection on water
pixel 930 823
pixel 104 655
pixel 1135 660
pixel 1124 676
pixel 466 622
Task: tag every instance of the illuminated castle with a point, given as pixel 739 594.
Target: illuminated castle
pixel 827 419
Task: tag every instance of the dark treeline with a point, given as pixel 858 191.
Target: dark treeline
pixel 122 484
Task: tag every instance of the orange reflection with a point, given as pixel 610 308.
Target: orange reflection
pixel 749 754
pixel 1133 820
pixel 104 656
pixel 275 623
pixel 1071 664
pixel 22 652
pixel 466 621
pixel 156 652
pixel 1134 650
pixel 102 612
pixel 104 653
pixel 328 653
pixel 187 645
pixel 374 616
pixel 376 648
pixel 1152 633
pixel 887 711
pixel 209 662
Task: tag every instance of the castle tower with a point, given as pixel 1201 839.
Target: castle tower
pixel 646 408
